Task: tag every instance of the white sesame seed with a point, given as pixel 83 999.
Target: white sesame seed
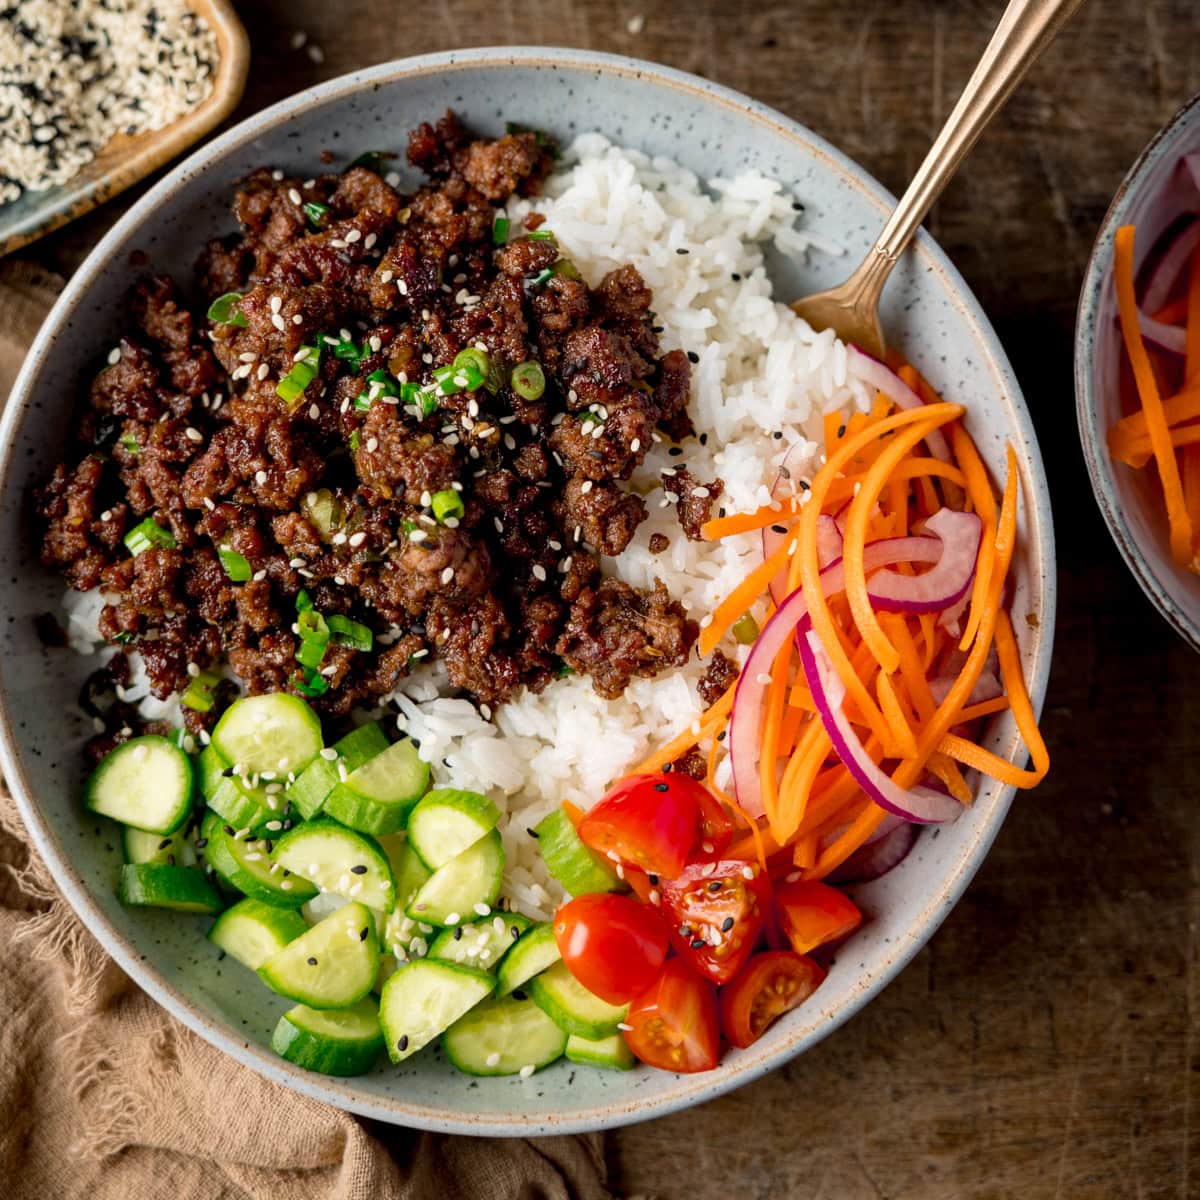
pixel 493 1059
pixel 386 276
pixel 357 539
pixel 539 572
pixel 372 445
pixel 114 356
pixel 635 445
pixel 297 319
pixel 259 576
pixel 526 1070
pixel 453 918
pixel 585 487
pixel 264 369
pixel 278 322
pixel 353 236
pixel 294 196
pixel 447 575
pixel 482 909
pixel 329 754
pixel 193 435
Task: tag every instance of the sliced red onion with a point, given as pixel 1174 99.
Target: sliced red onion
pixel 1172 338
pixel 1170 263
pixel 875 859
pixel 745 719
pixel 871 371
pixel 987 686
pixel 920 804
pixel 950 618
pixel 947 583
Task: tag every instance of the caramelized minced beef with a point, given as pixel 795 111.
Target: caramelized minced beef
pixel 693 500
pixel 185 426
pixel 721 672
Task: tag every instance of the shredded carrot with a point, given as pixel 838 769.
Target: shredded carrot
pixel 904 744
pixel 985 708
pixel 979 489
pixel 1168 469
pixel 1177 409
pixel 1018 697
pixel 942 767
pixel 760 518
pixel 727 613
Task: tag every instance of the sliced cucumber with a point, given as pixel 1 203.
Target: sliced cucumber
pixel 157 885
pixel 503 1037
pixel 344 1041
pixel 246 863
pixel 146 782
pixel 612 1052
pixel 450 894
pixel 408 870
pixel 339 860
pixel 141 847
pixel 210 770
pixel 482 943
pixel 332 965
pixel 277 733
pixel 572 1007
pixel 242 807
pixel 447 821
pixel 251 932
pixel 536 951
pixel 388 964
pixel 321 775
pixel 424 999
pixel 378 797
pixel 575 865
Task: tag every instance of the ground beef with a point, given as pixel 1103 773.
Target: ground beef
pixel 693 500
pixel 334 490
pixel 721 673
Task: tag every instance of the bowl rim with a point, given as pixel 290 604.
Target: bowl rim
pixel 750 1064
pixel 1093 439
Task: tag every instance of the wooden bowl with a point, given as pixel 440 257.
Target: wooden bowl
pixel 124 159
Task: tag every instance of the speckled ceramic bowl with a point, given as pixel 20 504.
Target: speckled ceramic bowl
pixel 1151 197
pixel 929 312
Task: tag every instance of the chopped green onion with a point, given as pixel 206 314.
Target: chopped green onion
pixel 303 600
pixel 479 360
pixel 447 504
pixel 123 638
pixel 745 630
pixel 225 311
pixel 529 380
pixel 496 374
pixel 149 533
pixel 354 441
pixel 130 443
pixel 567 269
pixel 314 637
pixel 543 276
pixel 540 235
pixel 447 379
pixel 290 389
pixel 199 694
pixel 346 632
pixel 380 383
pixel 563 670
pixel 315 212
pixel 237 566
pixel 348 352
pixel 324 511
pixel 373 160
pixel 314 685
pixel 500 231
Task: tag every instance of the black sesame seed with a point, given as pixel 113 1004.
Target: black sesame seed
pixel 268 845
pixel 735 277
pixel 727 925
pixel 358 869
pixel 516 932
pixel 698 944
pixel 804 485
pixel 653 880
pixel 693 357
pixel 841 431
pixel 312 962
pixel 703 439
pixel 200 843
pixel 362 934
pixel 458 933
pixel 402 1044
pixel 519 995
pixel 170 860
pixel 667 768
pixel 228 829
pixel 777 435
pixel 682 250
pixel 715 886
pixel 779 528
pixel 288 824
pixel 675 451
pixel 164 843
pixel 660 787
pixel 721 736
pixel 532 832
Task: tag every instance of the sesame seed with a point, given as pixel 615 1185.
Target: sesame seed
pixel 357 539
pixel 297 319
pixel 482 909
pixel 447 575
pixel 114 356
pixel 585 487
pixel 493 1059
pixel 294 196
pixel 453 918
pixel 353 236
pixel 526 1070
pixel 314 411
pixel 539 572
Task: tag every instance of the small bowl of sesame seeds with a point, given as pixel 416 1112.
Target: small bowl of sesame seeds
pixel 96 94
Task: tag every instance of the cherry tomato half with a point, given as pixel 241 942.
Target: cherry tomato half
pixel 649 821
pixel 716 829
pixel 813 913
pixel 674 1023
pixel 769 985
pixel 716 911
pixel 613 945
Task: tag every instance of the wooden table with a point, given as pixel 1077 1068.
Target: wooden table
pixel 1045 1043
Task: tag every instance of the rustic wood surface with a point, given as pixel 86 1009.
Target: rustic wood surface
pixel 1044 1043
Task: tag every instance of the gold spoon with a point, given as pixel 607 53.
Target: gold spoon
pixel 1025 30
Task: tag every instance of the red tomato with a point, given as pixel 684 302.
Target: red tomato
pixel 716 911
pixel 674 1023
pixel 716 829
pixel 769 985
pixel 814 913
pixel 649 821
pixel 613 945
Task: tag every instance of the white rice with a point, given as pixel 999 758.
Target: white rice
pixel 761 372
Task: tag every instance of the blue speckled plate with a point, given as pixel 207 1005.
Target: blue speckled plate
pixel 931 316
pixel 1151 197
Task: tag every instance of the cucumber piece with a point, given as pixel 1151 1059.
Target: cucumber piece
pixel 424 999
pixel 572 1007
pixel 321 775
pixel 344 1041
pixel 252 931
pixel 246 808
pixel 331 965
pixel 246 863
pixel 573 863
pixel 612 1052
pixel 210 770
pixel 277 733
pixel 482 943
pixel 449 895
pixel 536 951
pixel 146 782
pixel 157 885
pixel 388 965
pixel 378 797
pixel 447 821
pixel 142 847
pixel 339 860
pixel 503 1037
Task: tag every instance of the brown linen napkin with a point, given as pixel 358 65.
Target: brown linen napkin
pixel 103 1094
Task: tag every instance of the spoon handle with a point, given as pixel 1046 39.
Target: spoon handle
pixel 1025 30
